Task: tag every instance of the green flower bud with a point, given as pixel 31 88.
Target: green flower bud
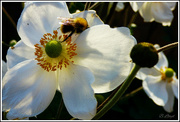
pixel 53 48
pixel 144 54
pixel 100 98
pixel 169 72
pixel 12 43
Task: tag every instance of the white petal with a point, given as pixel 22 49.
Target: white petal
pixel 75 84
pixel 27 89
pixel 19 53
pixel 170 103
pixel 161 12
pixel 4 68
pixel 146 12
pixel 162 62
pixel 136 5
pixel 39 18
pixel 166 23
pixel 171 5
pixel 144 72
pixel 105 51
pixel 175 86
pixel 156 89
pixel 27 3
pixel 91 17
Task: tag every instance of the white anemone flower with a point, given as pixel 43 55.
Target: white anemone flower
pixel 97 61
pixel 119 7
pixel 160 83
pixel 155 11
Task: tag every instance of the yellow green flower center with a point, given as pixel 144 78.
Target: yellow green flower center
pixel 53 49
pixel 51 54
pixel 169 72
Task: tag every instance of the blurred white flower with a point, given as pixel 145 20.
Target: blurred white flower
pixel 160 83
pixel 96 61
pixel 119 6
pixel 155 11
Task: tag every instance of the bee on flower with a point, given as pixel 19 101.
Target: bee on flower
pixel 43 61
pixel 72 25
pixel 78 24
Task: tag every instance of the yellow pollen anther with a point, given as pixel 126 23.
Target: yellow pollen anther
pixel 63 60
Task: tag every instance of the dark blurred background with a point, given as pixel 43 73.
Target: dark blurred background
pixel 134 107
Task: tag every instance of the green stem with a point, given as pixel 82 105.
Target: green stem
pixel 166 47
pixel 60 109
pixel 118 94
pixel 132 93
pixel 109 17
pixel 9 17
pixel 132 19
pixel 73 119
pixel 125 97
pixel 4 115
pixel 94 5
pixel 126 16
pixel 87 5
pixel 5 44
pixel 107 99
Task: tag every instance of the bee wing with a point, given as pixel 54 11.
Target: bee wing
pixel 65 21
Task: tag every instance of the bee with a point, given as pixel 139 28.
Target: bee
pixel 73 25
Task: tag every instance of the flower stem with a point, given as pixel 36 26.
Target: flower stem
pixel 118 94
pixel 87 5
pixel 4 116
pixel 166 47
pixel 60 109
pixel 94 5
pixel 107 99
pixel 73 118
pixel 9 17
pixel 132 93
pixel 111 12
pixel 126 16
pixel 132 19
pixel 5 44
pixel 125 97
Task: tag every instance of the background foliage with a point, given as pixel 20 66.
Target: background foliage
pixel 134 107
